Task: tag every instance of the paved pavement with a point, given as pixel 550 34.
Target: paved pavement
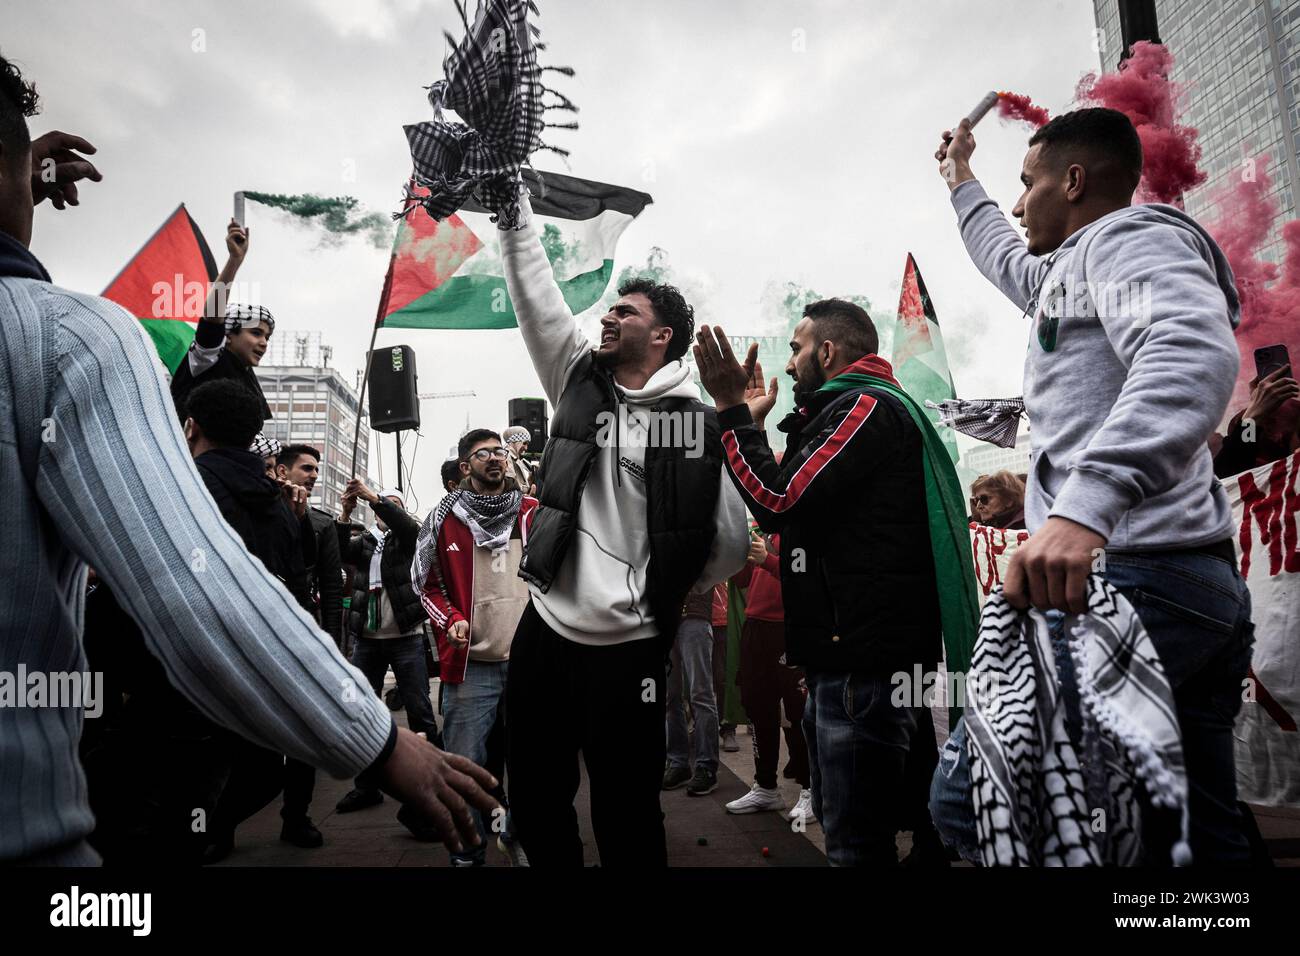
pixel 700 831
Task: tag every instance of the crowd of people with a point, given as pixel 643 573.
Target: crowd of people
pixel 580 605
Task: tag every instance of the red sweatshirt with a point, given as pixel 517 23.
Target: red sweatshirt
pixel 763 600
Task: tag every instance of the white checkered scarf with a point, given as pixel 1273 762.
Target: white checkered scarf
pixel 490 519
pixel 1037 801
pixel 241 316
pixel 493 82
pixel 995 420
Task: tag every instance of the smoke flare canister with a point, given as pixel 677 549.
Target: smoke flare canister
pixel 239 208
pixel 986 104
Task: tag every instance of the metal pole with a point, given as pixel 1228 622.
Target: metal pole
pixel 398 442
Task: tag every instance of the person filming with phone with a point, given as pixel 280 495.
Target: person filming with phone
pixel 1268 428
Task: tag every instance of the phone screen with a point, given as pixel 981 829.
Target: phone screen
pixel 1270 358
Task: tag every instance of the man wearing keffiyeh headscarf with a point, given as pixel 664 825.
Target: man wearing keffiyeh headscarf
pixel 466 574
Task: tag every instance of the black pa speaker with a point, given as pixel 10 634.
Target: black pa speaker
pixel 394 405
pixel 531 413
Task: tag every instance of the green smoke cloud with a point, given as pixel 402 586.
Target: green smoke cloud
pixel 338 216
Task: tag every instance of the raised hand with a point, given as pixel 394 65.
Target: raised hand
pixel 759 399
pixel 954 153
pixel 236 242
pixel 1270 392
pixel 57 168
pixel 721 375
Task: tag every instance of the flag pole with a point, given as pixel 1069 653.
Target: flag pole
pixel 365 376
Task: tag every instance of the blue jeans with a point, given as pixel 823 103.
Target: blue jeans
pixel 857 751
pixel 692 664
pixel 469 710
pixel 1196 610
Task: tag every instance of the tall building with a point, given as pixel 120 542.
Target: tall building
pixel 313 404
pixel 1239 64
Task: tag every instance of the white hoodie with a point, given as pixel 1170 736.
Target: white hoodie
pixel 598 595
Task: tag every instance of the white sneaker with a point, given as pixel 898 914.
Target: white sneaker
pixel 803 809
pixel 758 798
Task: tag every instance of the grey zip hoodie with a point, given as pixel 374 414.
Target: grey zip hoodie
pixel 1130 364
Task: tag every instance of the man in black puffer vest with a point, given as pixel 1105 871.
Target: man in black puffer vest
pixel 634 514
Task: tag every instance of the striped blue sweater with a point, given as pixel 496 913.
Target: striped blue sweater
pixel 95 470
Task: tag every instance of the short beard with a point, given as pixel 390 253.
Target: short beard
pixel 805 388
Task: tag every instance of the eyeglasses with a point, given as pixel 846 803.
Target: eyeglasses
pixel 484 454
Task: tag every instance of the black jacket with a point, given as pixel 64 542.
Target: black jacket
pixel 325 577
pixel 394 568
pixel 681 494
pixel 857 571
pixel 226 366
pixel 253 505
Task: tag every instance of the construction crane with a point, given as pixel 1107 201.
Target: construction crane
pixel 424 395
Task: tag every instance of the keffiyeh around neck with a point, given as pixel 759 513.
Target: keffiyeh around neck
pixel 490 518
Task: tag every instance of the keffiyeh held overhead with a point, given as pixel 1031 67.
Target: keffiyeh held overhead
pixel 493 82
pixel 1039 799
pixel 995 420
pixel 264 446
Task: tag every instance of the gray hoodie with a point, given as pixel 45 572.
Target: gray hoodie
pixel 1130 364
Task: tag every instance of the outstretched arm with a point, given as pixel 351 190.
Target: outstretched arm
pixel 993 243
pixel 549 330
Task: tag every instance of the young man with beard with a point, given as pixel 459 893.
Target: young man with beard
pixel 1124 390
pixel 627 525
pixel 858 459
pixel 466 571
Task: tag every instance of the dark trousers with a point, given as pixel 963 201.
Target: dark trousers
pixel 406 655
pixel 612 703
pixel 299 783
pixel 766 683
pixel 858 743
pixel 720 677
pixel 256 778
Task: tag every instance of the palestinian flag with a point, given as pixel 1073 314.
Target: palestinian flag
pixel 165 284
pixel 448 274
pixel 919 360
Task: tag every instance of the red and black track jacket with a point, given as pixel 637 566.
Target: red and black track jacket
pixel 857 571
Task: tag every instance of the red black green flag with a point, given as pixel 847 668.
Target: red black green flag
pixel 165 284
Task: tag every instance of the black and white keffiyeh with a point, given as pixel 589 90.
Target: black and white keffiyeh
pixel 493 82
pixel 264 446
pixel 1039 802
pixel 490 519
pixel 995 420
pixel 242 316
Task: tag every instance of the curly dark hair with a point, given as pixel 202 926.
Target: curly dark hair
pixel 18 100
pixel 1104 136
pixel 671 309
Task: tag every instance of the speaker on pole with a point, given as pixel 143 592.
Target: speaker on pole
pixel 394 403
pixel 531 413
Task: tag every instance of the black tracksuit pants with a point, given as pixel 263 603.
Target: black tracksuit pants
pixel 610 706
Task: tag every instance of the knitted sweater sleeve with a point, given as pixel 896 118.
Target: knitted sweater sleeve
pixel 118 483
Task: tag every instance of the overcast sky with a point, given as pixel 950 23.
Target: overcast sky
pixel 782 141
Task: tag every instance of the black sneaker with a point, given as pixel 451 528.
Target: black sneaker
pixel 704 781
pixel 218 848
pixel 359 800
pixel 674 777
pixel 301 833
